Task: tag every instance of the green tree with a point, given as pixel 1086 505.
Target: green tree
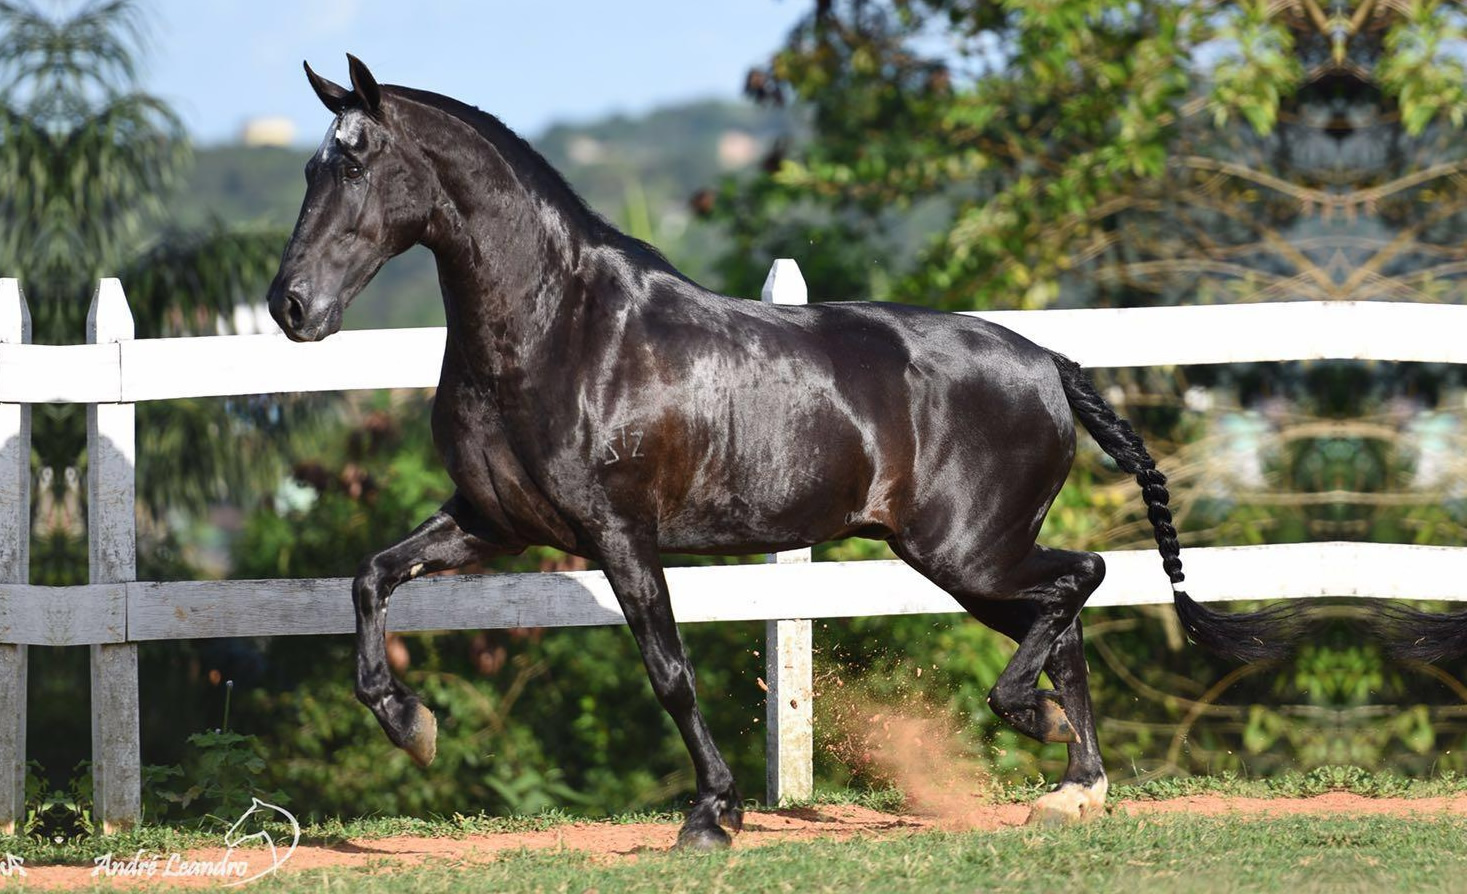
pixel 87 161
pixel 1097 152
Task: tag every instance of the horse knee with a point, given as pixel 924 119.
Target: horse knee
pixel 370 587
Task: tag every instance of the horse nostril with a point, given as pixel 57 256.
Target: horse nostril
pixel 295 310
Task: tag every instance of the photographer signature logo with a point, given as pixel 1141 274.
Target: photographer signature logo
pixel 248 832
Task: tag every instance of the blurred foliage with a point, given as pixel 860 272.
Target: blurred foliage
pixel 87 163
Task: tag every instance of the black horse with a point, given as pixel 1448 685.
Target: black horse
pixel 595 400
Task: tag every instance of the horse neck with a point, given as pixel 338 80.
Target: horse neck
pixel 508 263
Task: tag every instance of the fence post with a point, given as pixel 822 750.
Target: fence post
pixel 15 560
pixel 112 555
pixel 789 743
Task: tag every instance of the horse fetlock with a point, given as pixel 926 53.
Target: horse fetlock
pixel 732 817
pixel 731 810
pixel 378 690
pixel 410 726
pixel 709 824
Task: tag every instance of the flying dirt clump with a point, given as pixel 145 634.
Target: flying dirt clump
pixel 906 742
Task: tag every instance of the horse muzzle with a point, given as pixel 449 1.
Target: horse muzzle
pixel 301 317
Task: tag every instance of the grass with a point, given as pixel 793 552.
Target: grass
pixel 1174 853
pixel 180 837
pixel 1287 785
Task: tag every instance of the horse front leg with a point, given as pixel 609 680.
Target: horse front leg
pixel 441 543
pixel 635 573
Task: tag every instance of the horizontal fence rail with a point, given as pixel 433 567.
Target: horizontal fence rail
pixel 115 612
pixel 139 611
pixel 226 365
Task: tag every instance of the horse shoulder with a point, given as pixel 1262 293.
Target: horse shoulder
pixel 478 454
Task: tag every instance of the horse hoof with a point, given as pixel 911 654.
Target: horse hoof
pixel 702 839
pixel 1053 722
pixel 1067 804
pixel 421 741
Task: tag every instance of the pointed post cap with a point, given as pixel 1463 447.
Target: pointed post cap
pixel 109 319
pixel 785 284
pixel 15 317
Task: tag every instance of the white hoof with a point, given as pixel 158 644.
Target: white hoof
pixel 1070 803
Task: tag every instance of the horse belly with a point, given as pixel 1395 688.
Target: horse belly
pixel 773 482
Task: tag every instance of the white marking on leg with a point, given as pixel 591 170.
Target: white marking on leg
pixel 1071 802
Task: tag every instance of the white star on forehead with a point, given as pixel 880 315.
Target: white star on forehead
pixel 347 130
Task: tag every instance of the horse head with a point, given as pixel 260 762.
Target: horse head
pixel 368 198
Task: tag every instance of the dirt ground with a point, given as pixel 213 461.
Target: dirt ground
pixel 628 842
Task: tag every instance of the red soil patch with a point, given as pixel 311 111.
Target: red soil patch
pixel 613 843
pixel 1343 803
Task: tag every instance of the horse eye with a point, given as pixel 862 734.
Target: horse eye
pixel 353 172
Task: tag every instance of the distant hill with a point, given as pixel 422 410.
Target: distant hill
pixel 637 171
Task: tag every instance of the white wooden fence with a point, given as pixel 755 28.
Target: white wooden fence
pixel 115 611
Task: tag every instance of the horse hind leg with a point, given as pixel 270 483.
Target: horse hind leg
pixel 1081 791
pixel 1037 605
pixel 440 543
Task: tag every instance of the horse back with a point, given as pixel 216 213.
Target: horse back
pixel 734 425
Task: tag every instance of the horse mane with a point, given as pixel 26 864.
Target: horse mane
pixel 537 173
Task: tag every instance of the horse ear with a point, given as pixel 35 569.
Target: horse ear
pixel 365 85
pixel 334 97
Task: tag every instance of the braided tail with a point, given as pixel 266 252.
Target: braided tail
pixel 1253 636
pixel 1421 636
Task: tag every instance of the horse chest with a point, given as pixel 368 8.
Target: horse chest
pixel 480 460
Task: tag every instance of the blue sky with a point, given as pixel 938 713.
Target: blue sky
pixel 531 63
